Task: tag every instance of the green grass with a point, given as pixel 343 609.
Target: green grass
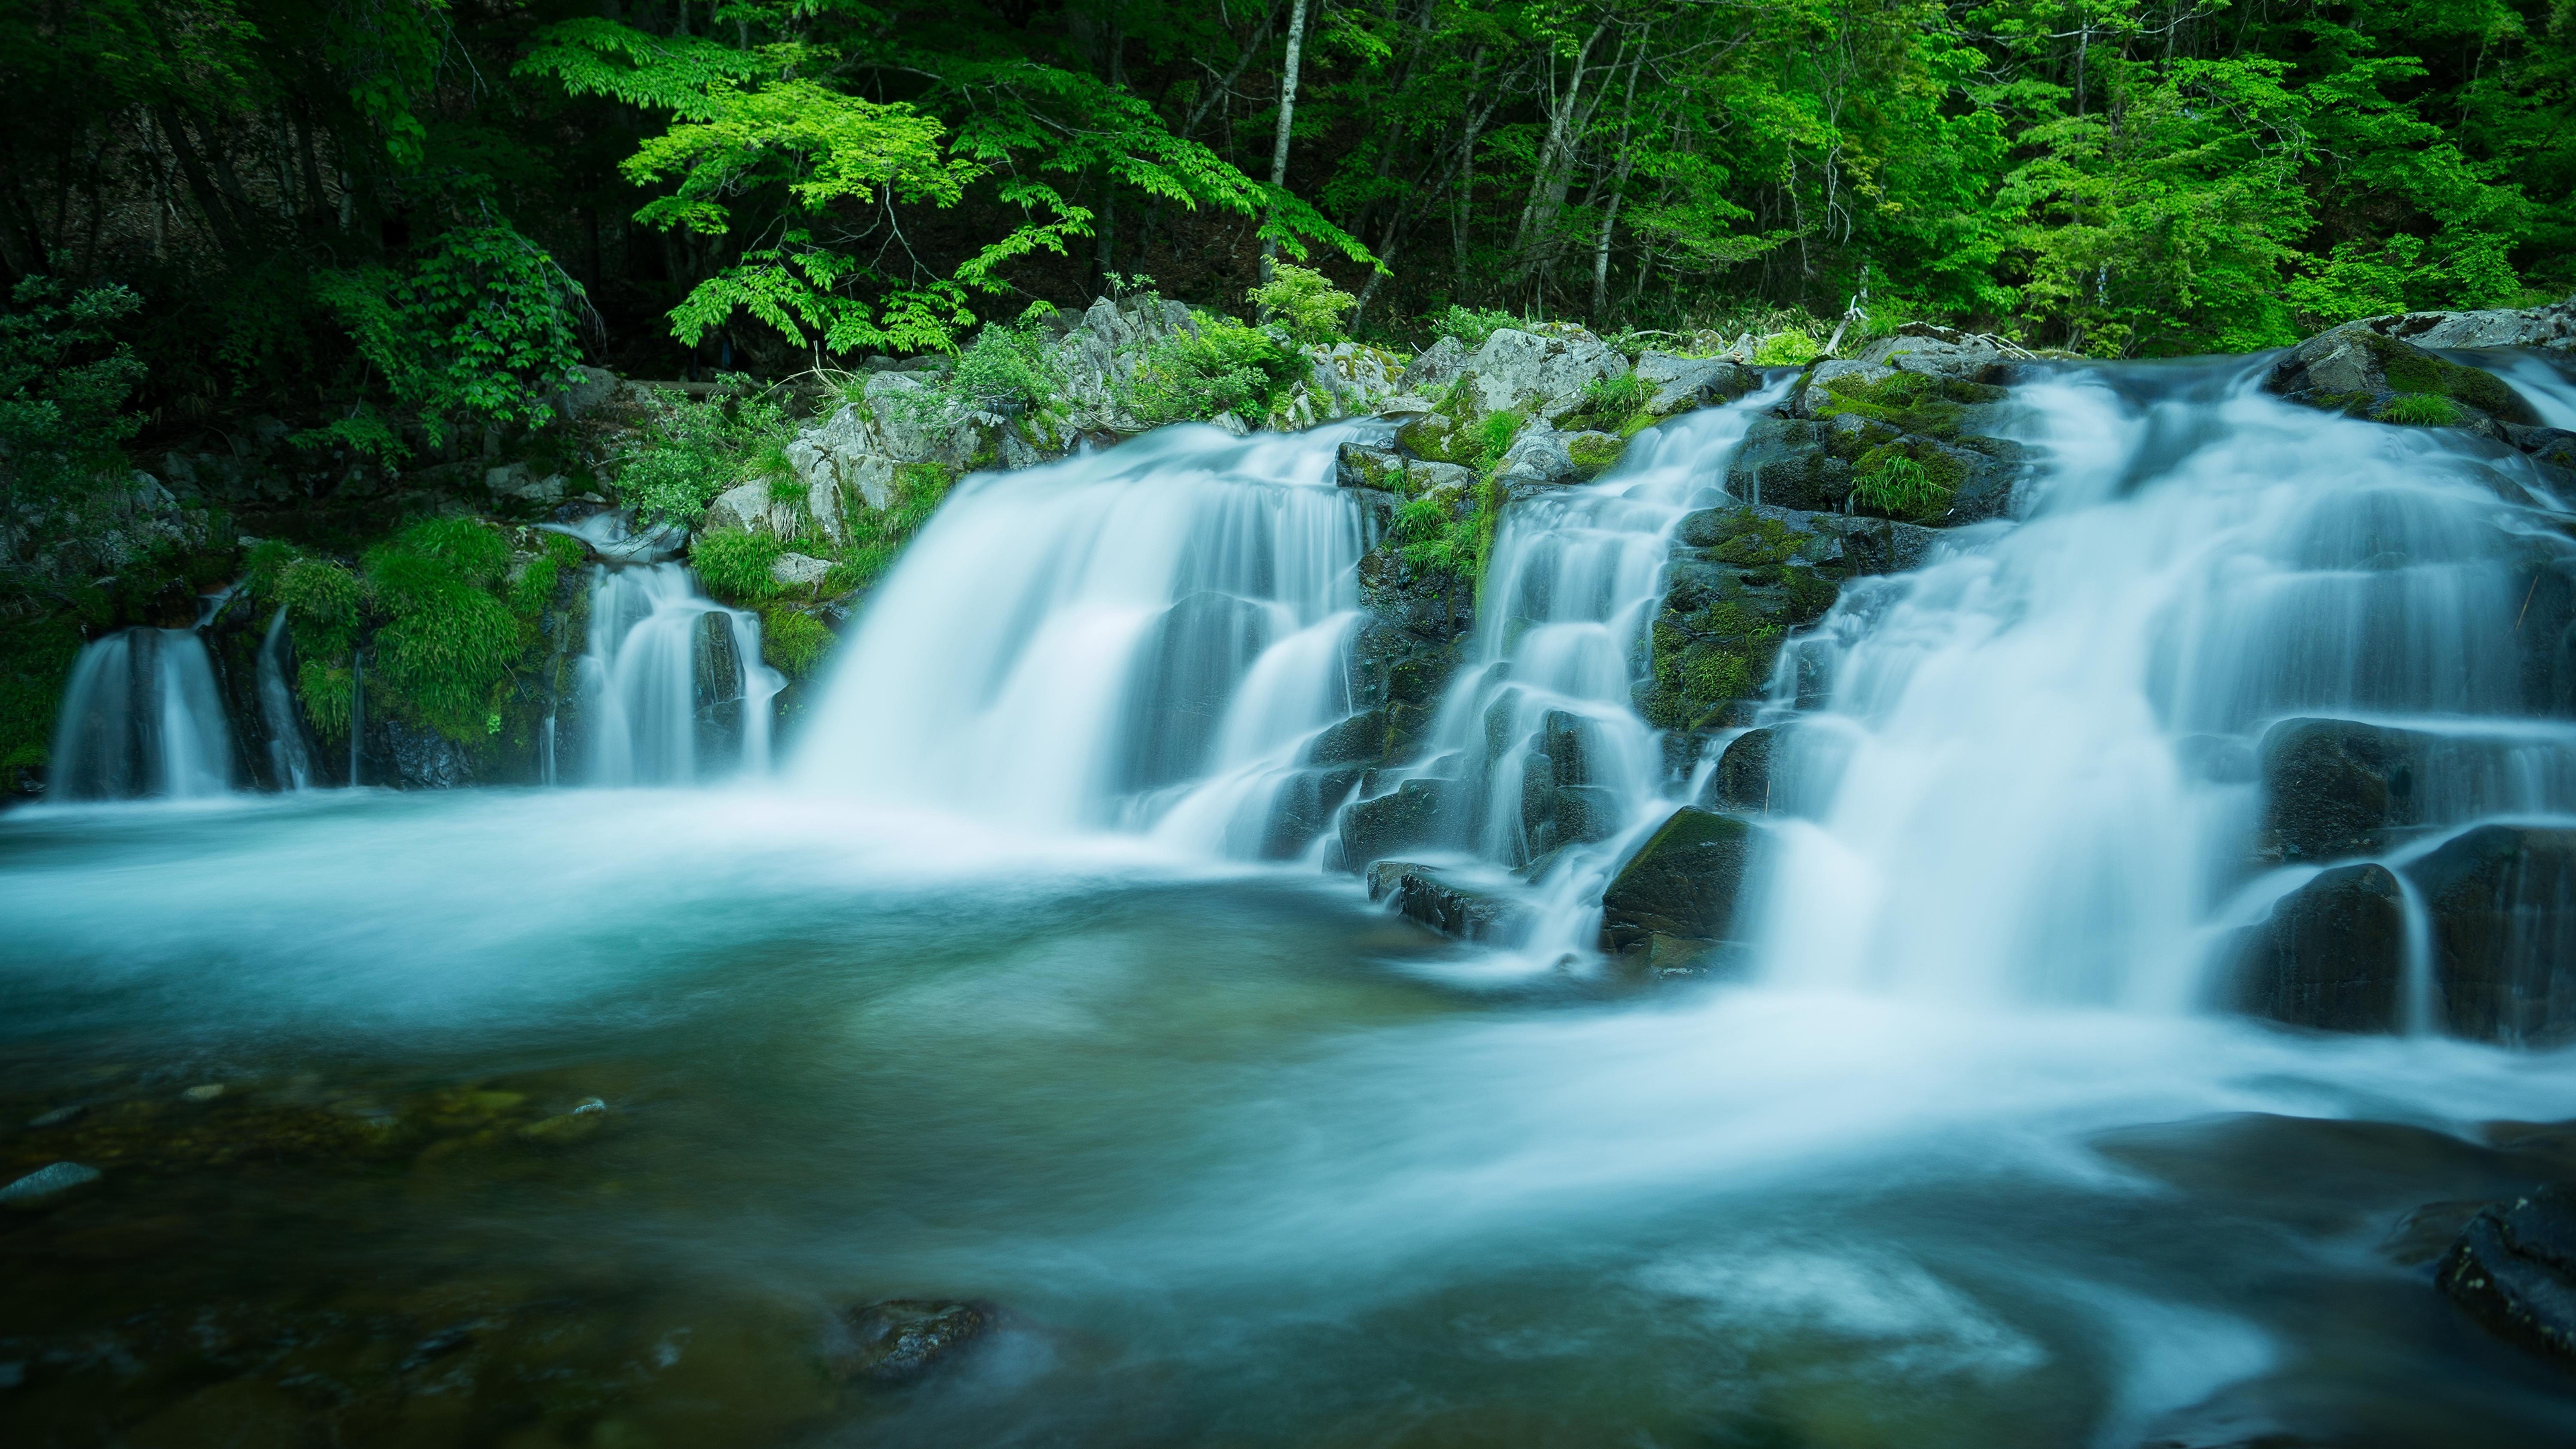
pixel 734 566
pixel 1900 487
pixel 2421 410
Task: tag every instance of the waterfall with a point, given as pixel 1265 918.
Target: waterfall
pixel 1575 577
pixel 290 760
pixel 673 690
pixel 1145 638
pixel 2016 758
pixel 142 717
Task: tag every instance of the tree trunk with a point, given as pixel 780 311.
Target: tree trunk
pixel 1279 145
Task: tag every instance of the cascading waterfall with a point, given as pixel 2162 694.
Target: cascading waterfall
pixel 1575 576
pixel 673 688
pixel 1147 638
pixel 142 717
pixel 2028 766
pixel 289 758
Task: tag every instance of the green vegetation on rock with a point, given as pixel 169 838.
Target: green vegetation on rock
pixel 1221 366
pixel 2421 410
pixel 1895 484
pixel 686 452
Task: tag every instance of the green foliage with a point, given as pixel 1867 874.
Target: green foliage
pixel 65 377
pixel 480 330
pixel 325 606
pixel 1471 325
pixel 36 657
pixel 687 451
pixel 1898 486
pixel 734 565
pixel 1305 302
pixel 1608 403
pixel 2421 410
pixel 1787 349
pixel 445 652
pixel 793 643
pixel 1222 366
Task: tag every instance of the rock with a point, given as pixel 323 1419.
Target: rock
pixel 1434 368
pixel 1360 739
pixel 2332 954
pixel 46 1181
pixel 2335 788
pixel 899 1340
pixel 1680 384
pixel 425 759
pixel 1672 904
pixel 1929 351
pixel 1097 358
pixel 1346 379
pixel 800 571
pixel 843 466
pixel 1740 579
pixel 1866 419
pixel 1304 805
pixel 2514 1270
pixel 1537 460
pixel 750 508
pixel 519 483
pixel 1406 651
pixel 1742 780
pixel 586 390
pixel 2502 903
pixel 2361 368
pixel 1542 373
pixel 204 1093
pixel 1374 466
pixel 1594 453
pixel 1415 814
pixel 2551 326
pixel 1437 899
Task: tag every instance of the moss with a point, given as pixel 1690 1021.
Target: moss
pixel 1714 674
pixel 445 653
pixel 1786 349
pixel 1751 540
pixel 1593 455
pixel 1911 402
pixel 1607 402
pixel 2420 410
pixel 1374 472
pixel 2410 369
pixel 793 643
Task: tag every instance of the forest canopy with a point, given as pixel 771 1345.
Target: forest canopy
pixel 391 215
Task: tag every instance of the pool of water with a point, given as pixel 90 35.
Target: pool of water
pixel 1232 1156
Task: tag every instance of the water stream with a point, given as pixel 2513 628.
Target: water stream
pixel 142 718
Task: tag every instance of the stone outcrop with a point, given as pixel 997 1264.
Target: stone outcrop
pixel 1563 800
pixel 2514 1270
pixel 1672 906
pixel 2502 906
pixel 1441 900
pixel 1920 404
pixel 2366 369
pixel 2553 326
pixel 1546 373
pixel 2335 788
pixel 2331 955
pixel 1742 781
pixel 1680 384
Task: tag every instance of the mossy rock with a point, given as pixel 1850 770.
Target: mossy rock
pixel 1910 402
pixel 1594 452
pixel 2362 372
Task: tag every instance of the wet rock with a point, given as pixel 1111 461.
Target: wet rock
pixel 1438 899
pixel 1409 646
pixel 1680 384
pixel 425 759
pixel 47 1181
pixel 2366 369
pixel 1415 814
pixel 1374 466
pixel 1927 351
pixel 2334 788
pixel 1303 808
pixel 1740 580
pixel 1742 780
pixel 2332 954
pixel 1672 904
pixel 2514 1270
pixel 2502 902
pixel 899 1340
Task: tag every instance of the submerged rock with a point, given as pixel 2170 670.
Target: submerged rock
pixel 2514 1270
pixel 2502 903
pixel 1672 904
pixel 900 1339
pixel 1437 899
pixel 2331 955
pixel 2334 788
pixel 46 1181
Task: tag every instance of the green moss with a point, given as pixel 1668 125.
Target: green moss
pixel 793 643
pixel 1374 473
pixel 1910 402
pixel 1751 540
pixel 2410 369
pixel 2421 410
pixel 734 566
pixel 1895 481
pixel 444 655
pixel 1593 455
pixel 325 604
pixel 324 689
pixel 1714 674
pixel 1607 402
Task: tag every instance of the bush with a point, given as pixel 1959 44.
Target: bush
pixel 734 566
pixel 690 451
pixel 64 380
pixel 1305 302
pixel 1787 349
pixel 1471 325
pixel 1608 403
pixel 445 654
pixel 1227 367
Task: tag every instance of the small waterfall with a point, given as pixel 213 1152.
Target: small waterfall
pixel 673 690
pixel 357 713
pixel 289 757
pixel 1549 686
pixel 2007 786
pixel 142 717
pixel 1146 638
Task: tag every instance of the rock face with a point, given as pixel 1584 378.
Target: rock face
pixel 2502 902
pixel 2551 326
pixel 899 1340
pixel 1546 373
pixel 1562 800
pixel 2334 788
pixel 1680 384
pixel 1671 907
pixel 1740 579
pixel 2330 956
pixel 2514 1270
pixel 1418 620
pixel 1414 815
pixel 1437 899
pixel 2366 369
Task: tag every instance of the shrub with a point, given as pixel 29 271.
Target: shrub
pixel 64 380
pixel 2421 410
pixel 734 566
pixel 1305 302
pixel 1226 367
pixel 445 653
pixel 689 451
pixel 1471 325
pixel 1609 403
pixel 1900 487
pixel 1787 349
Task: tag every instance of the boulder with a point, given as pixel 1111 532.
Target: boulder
pixel 1742 780
pixel 2335 788
pixel 424 759
pixel 1438 899
pixel 799 571
pixel 2514 1270
pixel 2332 954
pixel 1740 580
pixel 1344 380
pixel 843 465
pixel 1374 466
pixel 1536 461
pixel 1096 360
pixel 1930 351
pixel 2502 906
pixel 1679 384
pixel 2364 369
pixel 518 483
pixel 1415 814
pixel 1409 646
pixel 1672 904
pixel 752 507
pixel 1545 373
pixel 1434 368
pixel 1302 808
pixel 899 1340
pixel 2553 326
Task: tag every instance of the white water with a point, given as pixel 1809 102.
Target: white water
pixel 1576 576
pixel 1143 638
pixel 142 717
pixel 673 689
pixel 2001 744
pixel 290 760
